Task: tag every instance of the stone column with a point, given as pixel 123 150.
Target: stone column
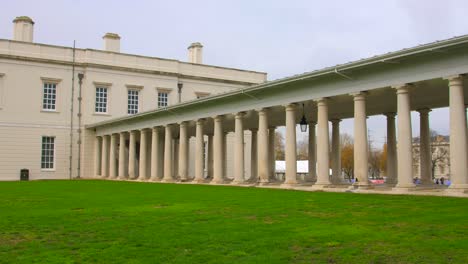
pixel 239 149
pixel 290 146
pixel 262 146
pixel 458 135
pixel 143 155
pixel 361 148
pixel 225 174
pixel 271 153
pixel 218 151
pixel 425 154
pixel 112 155
pixel 210 157
pixel 323 158
pixel 253 156
pixel 391 150
pixel 168 155
pixel 405 139
pixel 105 157
pixel 155 157
pixel 312 154
pixel 199 151
pixel 97 156
pixel 183 151
pixel 132 155
pixel 336 152
pixel 122 157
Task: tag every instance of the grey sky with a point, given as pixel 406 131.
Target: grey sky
pixel 281 38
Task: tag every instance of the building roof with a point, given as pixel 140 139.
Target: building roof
pixel 338 69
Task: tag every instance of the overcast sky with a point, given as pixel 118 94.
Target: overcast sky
pixel 281 38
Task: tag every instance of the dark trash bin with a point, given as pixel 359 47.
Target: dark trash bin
pixel 24 175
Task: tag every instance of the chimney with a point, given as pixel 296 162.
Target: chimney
pixel 195 53
pixel 23 29
pixel 111 42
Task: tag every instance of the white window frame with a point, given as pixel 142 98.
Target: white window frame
pixel 137 101
pixel 159 91
pixel 163 99
pixel 98 100
pixel 108 104
pixel 2 90
pixel 54 155
pixel 56 82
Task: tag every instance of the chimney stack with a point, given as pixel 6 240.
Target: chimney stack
pixel 23 29
pixel 111 42
pixel 195 53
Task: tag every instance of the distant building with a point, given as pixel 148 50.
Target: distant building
pixel 440 157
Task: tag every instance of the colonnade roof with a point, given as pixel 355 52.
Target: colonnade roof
pixel 424 66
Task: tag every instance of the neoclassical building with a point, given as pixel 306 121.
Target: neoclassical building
pixel 189 141
pixel 44 107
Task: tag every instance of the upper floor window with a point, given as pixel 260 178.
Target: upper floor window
pixel 132 102
pixel 48 153
pixel 101 100
pixel 162 99
pixel 49 96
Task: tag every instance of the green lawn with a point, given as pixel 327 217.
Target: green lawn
pixel 131 222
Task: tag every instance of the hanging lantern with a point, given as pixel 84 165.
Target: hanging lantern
pixel 303 122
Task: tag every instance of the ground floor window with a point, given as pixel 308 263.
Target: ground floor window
pixel 48 153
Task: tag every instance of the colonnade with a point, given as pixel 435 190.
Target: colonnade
pixel 113 161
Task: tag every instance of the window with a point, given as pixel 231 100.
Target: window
pixel 162 99
pixel 132 102
pixel 1 90
pixel 48 153
pixel 101 100
pixel 49 96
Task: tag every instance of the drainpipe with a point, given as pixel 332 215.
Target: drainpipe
pixel 72 99
pixel 179 86
pixel 80 82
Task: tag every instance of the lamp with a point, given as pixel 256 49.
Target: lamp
pixel 303 122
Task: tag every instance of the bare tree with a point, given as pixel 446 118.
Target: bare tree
pixel 279 146
pixel 347 155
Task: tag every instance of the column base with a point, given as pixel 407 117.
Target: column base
pixel 218 181
pixel 198 181
pixel 404 187
pixel 362 185
pixel 141 179
pixel 321 185
pixel 155 179
pixel 238 182
pixel 168 180
pixel 459 188
pixel 122 178
pixel 184 179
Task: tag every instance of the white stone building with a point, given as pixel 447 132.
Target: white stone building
pixel 228 135
pixel 36 97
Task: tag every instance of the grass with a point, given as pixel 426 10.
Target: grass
pixel 130 222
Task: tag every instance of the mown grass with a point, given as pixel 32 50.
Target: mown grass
pixel 130 222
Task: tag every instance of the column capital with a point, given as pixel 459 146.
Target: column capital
pixel 263 110
pixel 201 121
pixel 335 121
pixel 390 114
pixel 321 100
pixel 156 128
pixel 239 115
pixel 133 132
pixel 359 95
pixel 456 77
pixel 402 88
pixel 290 106
pixel 143 130
pixel 424 111
pixel 183 123
pixel 218 118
